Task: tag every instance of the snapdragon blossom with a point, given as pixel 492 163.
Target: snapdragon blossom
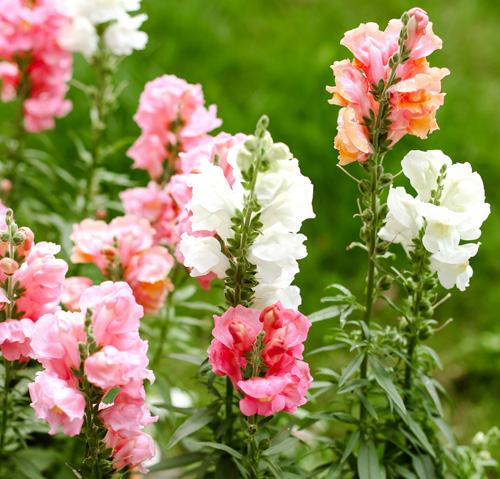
pixel 282 197
pixel 118 360
pixel 449 208
pixel 173 119
pixel 135 259
pixel 261 352
pixel 34 61
pixel 414 99
pixel 107 21
pixel 31 278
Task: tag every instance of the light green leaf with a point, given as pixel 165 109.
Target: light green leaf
pixel 274 468
pixel 368 466
pixel 351 368
pixel 188 358
pixel 327 313
pixel 283 446
pixel 385 382
pixel 195 422
pixel 177 461
pixel 353 441
pixel 420 435
pixel 429 385
pixel 222 447
pixel 351 385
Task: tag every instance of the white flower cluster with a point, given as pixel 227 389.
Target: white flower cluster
pixel 285 198
pixel 458 215
pixel 121 36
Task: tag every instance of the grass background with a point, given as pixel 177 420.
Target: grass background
pixel 274 57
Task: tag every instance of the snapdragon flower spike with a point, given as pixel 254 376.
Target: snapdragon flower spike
pixel 389 79
pixel 31 282
pixel 107 22
pixel 449 208
pixel 261 352
pixel 125 250
pixel 36 68
pixel 173 119
pixel 86 354
pixel 255 219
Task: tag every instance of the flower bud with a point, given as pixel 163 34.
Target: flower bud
pixel 101 213
pixel 8 266
pixel 368 216
pixel 365 187
pixel 18 238
pixel 417 25
pixel 5 236
pixel 108 251
pixel 425 333
pixel 5 185
pixel 383 211
pixel 27 244
pixel 272 317
pixel 385 180
pixel 479 439
pixel 264 444
pixel 384 283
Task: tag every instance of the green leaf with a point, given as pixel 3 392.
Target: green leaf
pixel 341 288
pixel 419 434
pixel 351 385
pixel 423 467
pixel 274 468
pixel 331 347
pixel 351 368
pixel 353 441
pixel 195 422
pixel 429 385
pixel 202 306
pixel 26 467
pixel 177 461
pixel 368 405
pixel 327 313
pixel 404 473
pixel 385 382
pixel 222 447
pixel 445 430
pixel 368 466
pixel 184 293
pixel 334 471
pixel 188 358
pixel 283 446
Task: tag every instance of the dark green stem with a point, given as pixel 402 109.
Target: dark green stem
pixel 99 109
pixel 5 404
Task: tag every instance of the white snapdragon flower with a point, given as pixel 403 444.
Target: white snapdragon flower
pixel 214 202
pixel 275 251
pixel 458 216
pixel 268 294
pixel 203 254
pixel 101 11
pixel 79 36
pixel 123 36
pixel 422 169
pixel 403 222
pixel 454 269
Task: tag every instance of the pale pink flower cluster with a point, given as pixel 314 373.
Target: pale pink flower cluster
pixel 414 99
pixel 141 263
pixel 40 277
pixel 173 119
pixel 282 384
pixel 120 362
pixel 29 31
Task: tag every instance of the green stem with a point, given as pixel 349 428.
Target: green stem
pixel 98 114
pixel 165 321
pixel 5 405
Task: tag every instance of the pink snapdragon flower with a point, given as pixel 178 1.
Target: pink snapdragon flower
pixel 144 266
pixel 414 100
pixel 28 35
pixel 286 379
pixel 57 403
pixel 118 359
pixel 74 287
pixel 15 339
pixel 130 451
pixel 173 119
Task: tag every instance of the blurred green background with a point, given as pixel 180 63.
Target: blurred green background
pixel 274 57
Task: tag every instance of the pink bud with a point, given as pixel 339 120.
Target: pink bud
pixel 24 249
pixel 8 266
pixel 108 251
pixel 5 185
pixel 101 213
pixel 416 26
pixel 272 317
pixel 239 332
